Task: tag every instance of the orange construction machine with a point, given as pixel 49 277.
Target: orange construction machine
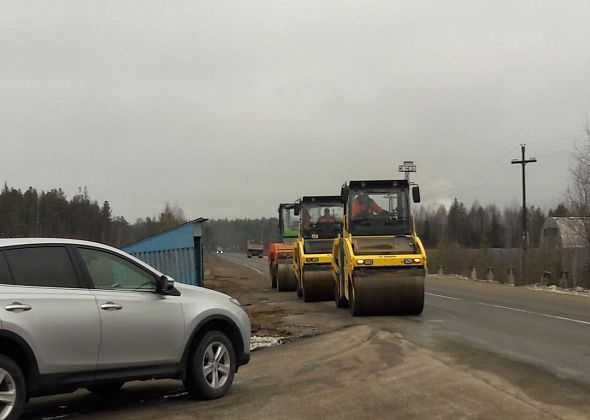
pixel 280 254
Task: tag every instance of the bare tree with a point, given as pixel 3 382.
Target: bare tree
pixel 171 217
pixel 579 188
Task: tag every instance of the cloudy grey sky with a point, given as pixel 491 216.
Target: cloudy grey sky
pixel 227 108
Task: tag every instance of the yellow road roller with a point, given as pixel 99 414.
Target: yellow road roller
pixel 379 263
pixel 321 219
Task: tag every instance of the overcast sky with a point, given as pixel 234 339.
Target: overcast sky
pixel 228 108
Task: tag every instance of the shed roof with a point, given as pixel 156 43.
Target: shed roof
pixel 571 230
pixel 177 237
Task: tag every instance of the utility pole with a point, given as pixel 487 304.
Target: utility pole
pixel 525 235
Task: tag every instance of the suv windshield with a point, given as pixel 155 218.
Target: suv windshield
pixel 379 212
pixel 321 220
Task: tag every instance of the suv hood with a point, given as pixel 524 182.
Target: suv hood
pixel 190 291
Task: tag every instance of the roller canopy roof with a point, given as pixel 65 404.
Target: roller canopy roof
pixel 320 199
pixel 392 183
pixel 286 206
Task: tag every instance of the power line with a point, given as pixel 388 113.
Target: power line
pixel 469 188
pixel 474 179
pixel 468 181
pixel 558 153
pixel 557 139
pixel 470 178
pixel 491 164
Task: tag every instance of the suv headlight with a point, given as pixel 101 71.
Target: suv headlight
pixel 235 302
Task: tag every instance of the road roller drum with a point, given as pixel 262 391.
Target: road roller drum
pixel 317 283
pixel 285 279
pixel 387 292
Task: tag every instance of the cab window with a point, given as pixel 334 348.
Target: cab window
pixel 110 272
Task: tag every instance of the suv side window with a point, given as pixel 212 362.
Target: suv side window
pixel 107 271
pixel 5 277
pixel 46 266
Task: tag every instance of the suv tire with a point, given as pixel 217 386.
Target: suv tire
pixel 106 388
pixel 211 366
pixel 12 385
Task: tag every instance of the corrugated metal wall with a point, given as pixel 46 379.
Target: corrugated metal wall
pixel 177 252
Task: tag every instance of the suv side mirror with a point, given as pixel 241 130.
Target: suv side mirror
pixel 416 194
pixel 297 209
pixel 165 284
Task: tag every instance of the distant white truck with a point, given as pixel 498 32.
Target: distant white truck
pixel 254 248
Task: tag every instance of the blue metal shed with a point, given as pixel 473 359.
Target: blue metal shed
pixel 177 252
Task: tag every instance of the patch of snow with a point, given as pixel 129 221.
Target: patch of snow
pixel 181 394
pixel 578 291
pixel 259 342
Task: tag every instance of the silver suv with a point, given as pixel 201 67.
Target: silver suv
pixel 81 314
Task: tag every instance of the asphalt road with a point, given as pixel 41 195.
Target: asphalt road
pixel 479 350
pixel 546 329
pixel 257 264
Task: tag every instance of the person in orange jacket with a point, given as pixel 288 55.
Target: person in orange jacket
pixel 363 206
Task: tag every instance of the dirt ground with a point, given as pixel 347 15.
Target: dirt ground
pixel 272 314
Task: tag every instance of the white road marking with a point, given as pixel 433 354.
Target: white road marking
pixel 579 321
pixel 247 265
pixel 255 269
pixel 443 296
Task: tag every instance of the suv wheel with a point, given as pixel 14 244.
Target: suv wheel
pixel 211 366
pixel 12 389
pixel 106 388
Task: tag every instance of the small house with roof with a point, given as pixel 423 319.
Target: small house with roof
pixel 567 237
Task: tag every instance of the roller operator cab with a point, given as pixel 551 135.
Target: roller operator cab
pixel 321 219
pixel 280 254
pixel 379 263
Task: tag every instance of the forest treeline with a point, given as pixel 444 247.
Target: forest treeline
pixel 231 235
pixel 474 227
pixel 481 226
pixel 32 213
pixel 51 214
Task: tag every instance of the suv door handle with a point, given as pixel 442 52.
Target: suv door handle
pixel 111 306
pixel 17 307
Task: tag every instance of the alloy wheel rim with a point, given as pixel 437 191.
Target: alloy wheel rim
pixel 7 394
pixel 216 365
